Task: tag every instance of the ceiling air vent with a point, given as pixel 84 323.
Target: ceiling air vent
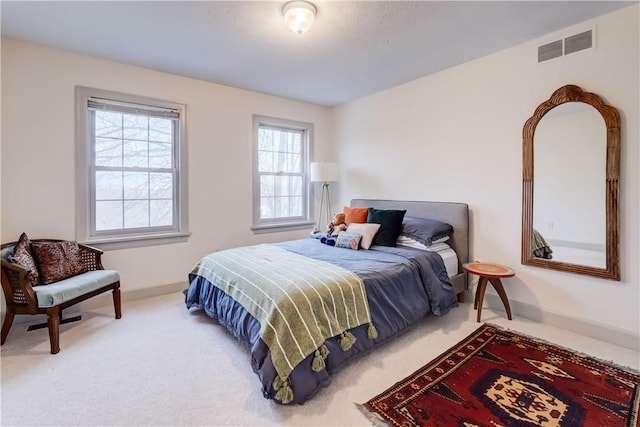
pixel 550 51
pixel 566 46
pixel 578 42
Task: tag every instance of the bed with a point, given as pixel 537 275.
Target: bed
pixel 338 303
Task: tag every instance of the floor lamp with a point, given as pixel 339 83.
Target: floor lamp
pixel 324 172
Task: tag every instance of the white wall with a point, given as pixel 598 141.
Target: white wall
pixel 457 136
pixel 38 155
pixel 452 136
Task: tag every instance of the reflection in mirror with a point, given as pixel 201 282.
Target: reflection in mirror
pixel 570 221
pixel 569 193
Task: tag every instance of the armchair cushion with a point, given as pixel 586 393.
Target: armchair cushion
pixel 58 260
pixel 22 256
pixel 72 287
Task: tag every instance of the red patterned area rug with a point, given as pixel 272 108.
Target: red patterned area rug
pixel 496 377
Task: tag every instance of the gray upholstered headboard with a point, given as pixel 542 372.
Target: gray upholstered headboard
pixel 456 214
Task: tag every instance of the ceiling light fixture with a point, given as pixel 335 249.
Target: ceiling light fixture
pixel 299 16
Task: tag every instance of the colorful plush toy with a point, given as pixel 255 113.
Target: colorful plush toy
pixel 334 228
pixel 337 224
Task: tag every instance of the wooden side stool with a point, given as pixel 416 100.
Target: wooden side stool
pixel 489 273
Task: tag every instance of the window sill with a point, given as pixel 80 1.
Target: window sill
pixel 108 244
pixel 274 228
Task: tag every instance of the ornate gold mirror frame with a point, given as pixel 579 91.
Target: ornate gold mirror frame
pixel 572 93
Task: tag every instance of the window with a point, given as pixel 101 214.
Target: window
pixel 131 169
pixel 281 184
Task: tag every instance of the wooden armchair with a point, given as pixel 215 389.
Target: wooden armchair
pixel 23 298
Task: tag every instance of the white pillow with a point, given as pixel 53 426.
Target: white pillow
pixel 367 230
pixel 411 243
pixel 440 240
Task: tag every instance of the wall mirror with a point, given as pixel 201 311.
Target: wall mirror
pixel 571 168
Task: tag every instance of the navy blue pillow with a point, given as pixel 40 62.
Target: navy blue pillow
pixel 425 230
pixel 390 221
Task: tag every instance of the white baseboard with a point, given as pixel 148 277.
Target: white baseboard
pixel 103 300
pixel 127 296
pixel 581 326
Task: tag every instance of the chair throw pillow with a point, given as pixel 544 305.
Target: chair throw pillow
pixel 22 256
pixel 58 260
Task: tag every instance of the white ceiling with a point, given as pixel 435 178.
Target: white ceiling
pixel 355 48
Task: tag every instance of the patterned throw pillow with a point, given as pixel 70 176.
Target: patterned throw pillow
pixel 58 260
pixel 22 256
pixel 348 240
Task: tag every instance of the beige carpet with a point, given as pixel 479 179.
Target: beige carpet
pixel 162 365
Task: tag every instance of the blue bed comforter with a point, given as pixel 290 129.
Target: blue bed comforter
pixel 403 286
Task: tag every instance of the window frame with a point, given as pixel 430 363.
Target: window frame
pixel 85 183
pixel 272 225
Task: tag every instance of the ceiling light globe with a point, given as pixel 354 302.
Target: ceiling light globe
pixel 299 16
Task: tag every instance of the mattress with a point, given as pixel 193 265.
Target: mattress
pixel 450 259
pixel 449 256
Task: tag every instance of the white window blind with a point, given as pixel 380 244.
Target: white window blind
pixel 281 187
pixel 135 170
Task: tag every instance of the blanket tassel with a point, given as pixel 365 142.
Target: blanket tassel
pixel 284 392
pixel 347 340
pixel 372 332
pixel 317 364
pixel 324 351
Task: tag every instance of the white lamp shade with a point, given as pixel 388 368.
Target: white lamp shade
pixel 324 172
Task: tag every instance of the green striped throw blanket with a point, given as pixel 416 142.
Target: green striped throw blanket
pixel 539 246
pixel 299 302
